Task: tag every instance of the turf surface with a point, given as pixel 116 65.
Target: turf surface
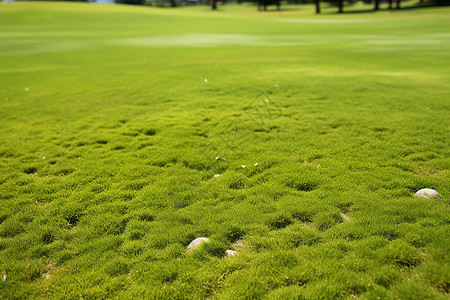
pixel 116 121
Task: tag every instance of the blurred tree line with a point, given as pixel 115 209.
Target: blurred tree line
pixel 263 4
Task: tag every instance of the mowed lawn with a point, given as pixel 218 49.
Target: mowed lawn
pixel 297 140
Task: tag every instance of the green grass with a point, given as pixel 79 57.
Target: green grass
pixel 115 119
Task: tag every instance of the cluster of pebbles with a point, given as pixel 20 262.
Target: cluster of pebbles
pixel 423 193
pixel 199 241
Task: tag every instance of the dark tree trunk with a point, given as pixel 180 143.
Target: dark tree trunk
pixel 317 6
pixel 377 5
pixel 341 6
pixel 173 3
pixel 390 4
pixel 278 5
pixel 398 4
pixel 214 4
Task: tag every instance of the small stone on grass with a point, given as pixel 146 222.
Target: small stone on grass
pixel 345 217
pixel 196 243
pixel 230 253
pixel 427 194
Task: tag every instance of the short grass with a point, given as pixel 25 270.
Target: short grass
pixel 115 119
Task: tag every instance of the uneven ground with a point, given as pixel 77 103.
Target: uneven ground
pixel 115 119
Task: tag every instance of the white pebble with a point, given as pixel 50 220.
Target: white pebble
pixel 256 164
pixel 243 166
pixel 345 217
pixel 196 243
pixel 205 80
pixel 427 193
pixel 230 253
pixel 217 175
